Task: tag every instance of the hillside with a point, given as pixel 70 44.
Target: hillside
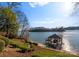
pixel 17 47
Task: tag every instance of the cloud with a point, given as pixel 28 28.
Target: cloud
pixel 68 8
pixel 53 22
pixel 35 4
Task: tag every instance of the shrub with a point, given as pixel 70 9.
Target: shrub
pixel 23 48
pixel 2 45
pixel 6 40
pixel 15 45
pixel 35 44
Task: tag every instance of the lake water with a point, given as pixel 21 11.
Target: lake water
pixel 70 38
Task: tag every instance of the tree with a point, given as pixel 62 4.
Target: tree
pixel 21 18
pixel 23 24
pixel 75 8
pixel 12 5
pixel 8 23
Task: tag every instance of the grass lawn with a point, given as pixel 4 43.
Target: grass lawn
pixel 42 52
pixel 19 44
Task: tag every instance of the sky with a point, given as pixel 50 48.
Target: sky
pixel 50 14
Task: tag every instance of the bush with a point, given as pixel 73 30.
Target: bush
pixel 23 48
pixel 6 40
pixel 2 45
pixel 35 44
pixel 14 45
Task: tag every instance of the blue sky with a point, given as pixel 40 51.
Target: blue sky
pixel 50 15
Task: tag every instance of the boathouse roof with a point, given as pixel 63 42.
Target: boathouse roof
pixel 55 36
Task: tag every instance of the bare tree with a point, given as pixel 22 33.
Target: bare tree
pixel 22 19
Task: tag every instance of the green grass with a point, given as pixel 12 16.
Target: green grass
pixel 50 53
pixel 17 44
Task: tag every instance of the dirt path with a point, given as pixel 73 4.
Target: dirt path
pixel 12 52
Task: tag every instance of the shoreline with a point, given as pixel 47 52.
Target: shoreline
pixel 62 50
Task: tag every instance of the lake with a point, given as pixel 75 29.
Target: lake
pixel 70 39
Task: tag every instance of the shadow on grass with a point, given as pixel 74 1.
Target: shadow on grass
pixel 25 51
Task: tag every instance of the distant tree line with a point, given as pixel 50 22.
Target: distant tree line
pixel 61 29
pixel 41 29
